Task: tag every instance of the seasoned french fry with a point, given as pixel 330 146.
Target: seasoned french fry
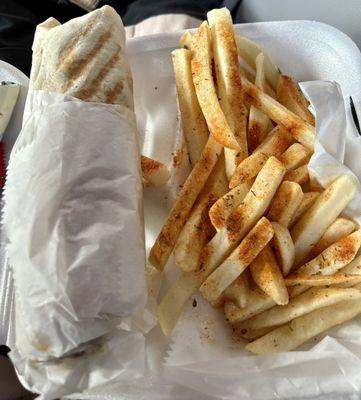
pixel 194 236
pixel 323 280
pixel 299 175
pixel 206 91
pixel 248 169
pixel 301 329
pixel 186 40
pixel 290 95
pixel 314 185
pixel 258 123
pixel 307 201
pixel 195 129
pixel 285 203
pixel 229 83
pixel 328 262
pixel 283 247
pixel 294 156
pixel 238 261
pixel 353 268
pixel 225 205
pixel 325 210
pixel 267 275
pixel 276 142
pixel 245 216
pixel 335 257
pixel 274 145
pixel 257 301
pixel 307 302
pixel 154 173
pixel 299 129
pixel 224 242
pixel 238 291
pixel 198 229
pixel 338 229
pixel 249 50
pixel 178 215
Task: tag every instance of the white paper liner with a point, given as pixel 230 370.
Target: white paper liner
pixel 73 217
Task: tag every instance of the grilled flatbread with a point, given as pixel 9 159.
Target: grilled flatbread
pixel 84 58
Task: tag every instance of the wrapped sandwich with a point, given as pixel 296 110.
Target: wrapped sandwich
pixel 73 197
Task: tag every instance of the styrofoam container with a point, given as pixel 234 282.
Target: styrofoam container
pixel 303 49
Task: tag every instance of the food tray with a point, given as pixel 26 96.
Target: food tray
pixel 307 51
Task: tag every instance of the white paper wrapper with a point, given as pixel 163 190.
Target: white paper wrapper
pixel 73 218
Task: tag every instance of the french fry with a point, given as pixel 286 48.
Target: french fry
pixel 206 91
pixel 267 275
pixel 172 304
pixel 218 281
pixel 290 95
pixel 325 210
pixel 258 123
pixel 225 205
pixel 314 185
pixel 229 83
pixel 185 40
pixel 339 228
pixel 195 129
pixel 301 329
pixel 285 203
pixel 276 142
pixel 248 169
pixel 245 216
pixel 154 173
pixel 193 236
pixel 328 262
pixel 323 280
pixel 198 229
pixel 294 156
pixel 307 201
pixel 238 291
pixel 335 257
pixel 223 243
pixel 299 129
pixel 178 215
pixel 299 175
pixel 257 301
pixel 283 247
pixel 249 50
pixel 353 268
pixel 306 303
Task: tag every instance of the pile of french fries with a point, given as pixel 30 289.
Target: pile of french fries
pixel 250 229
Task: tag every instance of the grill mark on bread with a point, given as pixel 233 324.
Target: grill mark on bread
pixel 93 88
pixel 74 41
pixel 111 94
pixel 76 68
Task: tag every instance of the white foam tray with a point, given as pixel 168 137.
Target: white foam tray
pixel 306 50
